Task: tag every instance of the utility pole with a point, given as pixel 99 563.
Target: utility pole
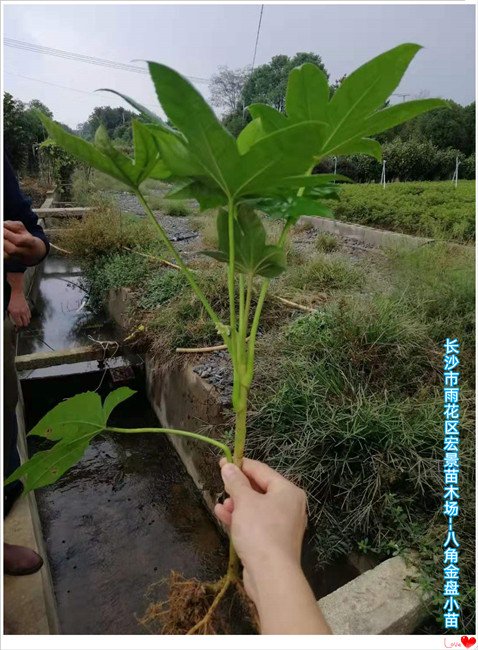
pixel 402 95
pixel 382 179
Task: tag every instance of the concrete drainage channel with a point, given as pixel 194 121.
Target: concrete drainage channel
pixel 364 600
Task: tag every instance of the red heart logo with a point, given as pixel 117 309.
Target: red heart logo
pixel 468 641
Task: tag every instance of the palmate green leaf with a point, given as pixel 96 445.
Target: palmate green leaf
pixel 81 149
pixel 103 156
pixel 249 135
pixel 291 208
pixel 307 94
pixel 366 90
pixel 252 255
pixel 399 113
pixel 73 423
pixel 208 197
pixel 46 467
pixel 74 417
pixel 284 153
pixel 355 110
pixel 146 154
pixel 271 119
pixel 145 112
pixel 113 399
pixel 213 146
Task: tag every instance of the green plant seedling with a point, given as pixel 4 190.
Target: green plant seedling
pixel 267 169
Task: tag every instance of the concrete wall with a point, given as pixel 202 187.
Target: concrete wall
pixel 365 234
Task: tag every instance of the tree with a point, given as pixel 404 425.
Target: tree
pixel 268 82
pixel 40 106
pixel 450 127
pixel 13 130
pixel 23 132
pixel 117 122
pixel 226 88
pixel 336 84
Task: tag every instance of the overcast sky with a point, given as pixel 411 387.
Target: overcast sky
pixel 197 39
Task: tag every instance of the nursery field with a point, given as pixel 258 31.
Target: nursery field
pixel 347 392
pixel 429 209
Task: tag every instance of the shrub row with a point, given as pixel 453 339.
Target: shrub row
pixel 428 209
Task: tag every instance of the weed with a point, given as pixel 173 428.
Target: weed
pixel 325 273
pixel 161 287
pixel 326 243
pixel 105 230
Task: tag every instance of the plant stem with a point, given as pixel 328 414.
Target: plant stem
pixel 233 565
pixel 240 427
pixel 231 270
pixel 187 272
pixel 178 432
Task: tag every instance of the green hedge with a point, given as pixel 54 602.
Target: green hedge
pixel 430 209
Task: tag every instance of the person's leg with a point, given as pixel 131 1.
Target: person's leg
pixel 11 462
pixel 17 560
pixel 10 394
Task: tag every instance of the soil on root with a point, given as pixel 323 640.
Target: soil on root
pixel 187 608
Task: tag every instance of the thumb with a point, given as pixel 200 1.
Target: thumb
pixel 235 482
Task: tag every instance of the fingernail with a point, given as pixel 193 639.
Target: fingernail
pixel 228 470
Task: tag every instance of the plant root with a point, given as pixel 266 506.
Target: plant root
pixel 193 607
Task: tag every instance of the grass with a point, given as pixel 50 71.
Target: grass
pixel 105 230
pixel 171 208
pixel 429 209
pixel 87 188
pixel 161 287
pixel 348 401
pixel 323 273
pixel 326 243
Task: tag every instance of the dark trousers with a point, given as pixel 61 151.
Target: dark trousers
pixel 11 459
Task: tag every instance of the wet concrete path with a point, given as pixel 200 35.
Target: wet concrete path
pixel 128 513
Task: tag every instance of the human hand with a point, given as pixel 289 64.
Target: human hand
pixel 266 516
pixel 20 244
pixel 18 309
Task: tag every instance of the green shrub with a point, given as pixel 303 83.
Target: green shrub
pixel 113 271
pixel 427 209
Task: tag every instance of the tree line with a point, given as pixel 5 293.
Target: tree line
pixel 423 149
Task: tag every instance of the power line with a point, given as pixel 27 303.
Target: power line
pixel 257 39
pixel 50 83
pixel 82 58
